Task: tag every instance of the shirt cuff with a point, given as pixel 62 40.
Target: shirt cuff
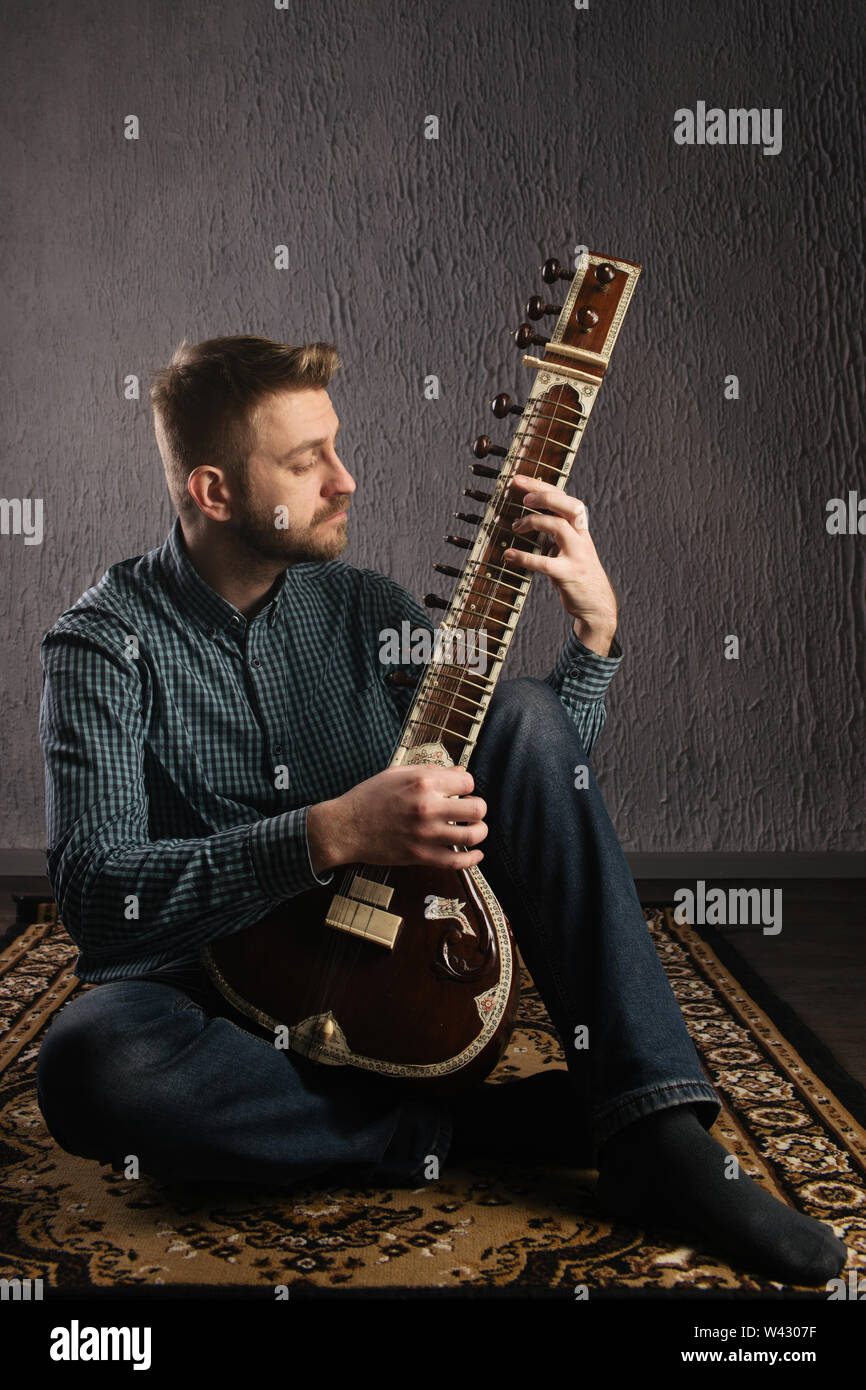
pixel 586 669
pixel 280 851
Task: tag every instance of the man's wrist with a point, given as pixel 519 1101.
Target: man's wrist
pixel 597 638
pixel 324 836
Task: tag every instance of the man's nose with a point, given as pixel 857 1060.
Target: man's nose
pixel 341 480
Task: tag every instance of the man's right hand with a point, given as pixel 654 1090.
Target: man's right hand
pixel 404 815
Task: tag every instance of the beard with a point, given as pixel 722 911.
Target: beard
pixel 254 526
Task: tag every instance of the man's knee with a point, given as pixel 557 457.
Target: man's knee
pixel 530 708
pixel 97 1053
pixel 521 693
pixel 526 697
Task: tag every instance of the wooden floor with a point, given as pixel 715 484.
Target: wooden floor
pixel 816 964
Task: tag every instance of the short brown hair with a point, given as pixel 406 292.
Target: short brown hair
pixel 205 399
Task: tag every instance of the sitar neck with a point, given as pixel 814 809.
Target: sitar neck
pixel 473 638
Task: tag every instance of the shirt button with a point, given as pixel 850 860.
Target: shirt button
pixel 255 661
pixel 278 748
pixel 236 620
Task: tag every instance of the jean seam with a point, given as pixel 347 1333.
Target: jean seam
pixel 686 1089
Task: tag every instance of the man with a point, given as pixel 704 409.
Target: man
pixel 183 692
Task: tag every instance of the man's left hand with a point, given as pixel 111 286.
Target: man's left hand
pixel 568 557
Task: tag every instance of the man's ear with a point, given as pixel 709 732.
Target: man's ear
pixel 208 487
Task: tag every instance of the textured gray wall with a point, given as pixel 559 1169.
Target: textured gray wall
pixel 305 126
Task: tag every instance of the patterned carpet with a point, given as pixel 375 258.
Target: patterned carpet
pixel 80 1226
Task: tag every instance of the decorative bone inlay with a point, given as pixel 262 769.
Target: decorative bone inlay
pixel 448 907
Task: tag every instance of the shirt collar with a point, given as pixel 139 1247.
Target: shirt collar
pixel 198 599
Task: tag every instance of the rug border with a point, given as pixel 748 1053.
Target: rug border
pixel 815 1053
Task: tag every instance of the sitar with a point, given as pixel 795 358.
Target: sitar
pixel 407 971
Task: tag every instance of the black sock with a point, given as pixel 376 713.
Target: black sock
pixel 533 1119
pixel 665 1168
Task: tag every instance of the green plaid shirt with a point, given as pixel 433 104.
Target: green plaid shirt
pixel 184 744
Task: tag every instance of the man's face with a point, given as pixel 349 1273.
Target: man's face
pixel 291 505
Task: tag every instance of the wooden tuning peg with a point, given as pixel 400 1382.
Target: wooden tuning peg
pixel 483 445
pixel 503 405
pixel 537 308
pixel 524 337
pixel 552 271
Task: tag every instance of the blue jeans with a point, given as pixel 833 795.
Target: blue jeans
pixel 147 1066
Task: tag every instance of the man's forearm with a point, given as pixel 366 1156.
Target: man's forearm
pixel 134 901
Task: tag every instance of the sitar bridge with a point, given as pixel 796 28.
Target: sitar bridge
pixel 361 912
